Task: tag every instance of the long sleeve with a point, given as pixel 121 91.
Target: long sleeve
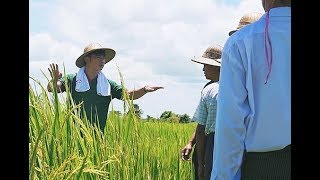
pixel 252 115
pixel 232 109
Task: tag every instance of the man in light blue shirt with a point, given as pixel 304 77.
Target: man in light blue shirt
pixel 253 125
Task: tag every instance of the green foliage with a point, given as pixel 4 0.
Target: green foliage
pixel 173 119
pixel 151 119
pixel 184 118
pixel 137 111
pixel 167 114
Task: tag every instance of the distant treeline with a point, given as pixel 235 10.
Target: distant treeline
pixel 166 116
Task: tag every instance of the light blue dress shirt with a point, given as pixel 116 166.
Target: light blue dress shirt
pixel 252 115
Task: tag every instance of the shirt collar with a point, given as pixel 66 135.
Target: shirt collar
pixel 279 11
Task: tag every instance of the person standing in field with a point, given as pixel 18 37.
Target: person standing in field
pixel 90 86
pixel 204 115
pixel 203 137
pixel 253 125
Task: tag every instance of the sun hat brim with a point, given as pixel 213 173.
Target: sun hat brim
pixel 109 55
pixel 202 60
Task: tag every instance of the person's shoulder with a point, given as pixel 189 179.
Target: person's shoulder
pixel 68 77
pixel 245 33
pixel 72 75
pixel 208 83
pixel 113 83
pixel 211 88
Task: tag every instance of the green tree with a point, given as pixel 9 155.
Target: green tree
pixel 184 118
pixel 166 114
pixel 169 116
pixel 137 111
pixel 173 119
pixel 150 118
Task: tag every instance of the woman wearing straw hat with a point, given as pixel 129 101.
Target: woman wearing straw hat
pixel 253 123
pixel 91 86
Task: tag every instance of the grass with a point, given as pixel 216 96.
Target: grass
pixel 63 146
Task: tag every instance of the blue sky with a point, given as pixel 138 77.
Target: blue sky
pixel 154 40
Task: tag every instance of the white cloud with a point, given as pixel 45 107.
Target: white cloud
pixel 154 41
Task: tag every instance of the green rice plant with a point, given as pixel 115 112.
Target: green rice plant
pixel 64 146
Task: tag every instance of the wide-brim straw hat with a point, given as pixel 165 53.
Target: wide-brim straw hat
pixel 212 56
pixel 246 19
pixel 109 53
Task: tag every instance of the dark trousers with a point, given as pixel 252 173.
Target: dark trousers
pixel 273 165
pixel 208 158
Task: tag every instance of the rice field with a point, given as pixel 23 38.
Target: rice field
pixel 63 146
